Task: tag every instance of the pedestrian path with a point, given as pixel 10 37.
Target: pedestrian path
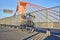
pixel 7 33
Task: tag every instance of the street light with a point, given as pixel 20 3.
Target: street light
pixel 7 11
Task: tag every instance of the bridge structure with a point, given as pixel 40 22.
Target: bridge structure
pixel 48 18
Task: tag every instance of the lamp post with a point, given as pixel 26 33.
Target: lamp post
pixel 48 28
pixel 47 23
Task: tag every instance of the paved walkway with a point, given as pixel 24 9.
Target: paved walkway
pixel 13 34
pixel 7 33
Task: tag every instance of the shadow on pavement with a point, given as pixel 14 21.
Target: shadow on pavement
pixel 43 30
pixel 52 37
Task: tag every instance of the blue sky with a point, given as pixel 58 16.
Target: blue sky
pixel 11 4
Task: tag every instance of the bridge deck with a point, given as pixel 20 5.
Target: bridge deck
pixel 7 33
